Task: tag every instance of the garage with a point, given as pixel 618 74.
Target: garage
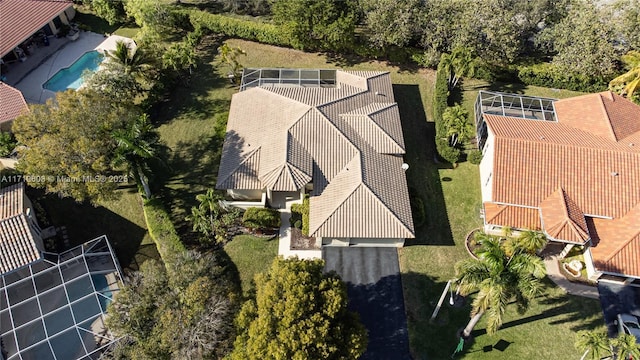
pixel 374 287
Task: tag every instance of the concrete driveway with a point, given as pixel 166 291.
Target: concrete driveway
pixel 375 292
pixel 617 299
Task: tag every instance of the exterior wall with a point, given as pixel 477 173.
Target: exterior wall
pixel 245 194
pixel 486 168
pixel 363 242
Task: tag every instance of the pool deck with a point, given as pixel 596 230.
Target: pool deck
pixel 31 83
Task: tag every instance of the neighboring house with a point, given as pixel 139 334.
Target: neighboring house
pixel 335 135
pixel 21 19
pixel 20 235
pixel 55 307
pixel 570 168
pixel 12 104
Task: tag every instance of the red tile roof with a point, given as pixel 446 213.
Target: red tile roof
pixel 17 244
pixel 562 219
pixel 12 103
pixel 22 18
pixel 592 153
pixel 512 216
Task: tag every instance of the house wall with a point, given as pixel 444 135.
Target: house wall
pixel 364 242
pixel 486 167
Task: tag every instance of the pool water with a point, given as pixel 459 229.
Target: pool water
pixel 71 77
pixel 102 287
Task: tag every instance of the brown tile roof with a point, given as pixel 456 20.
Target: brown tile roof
pixel 534 158
pixel 22 18
pixel 516 217
pixel 592 153
pixel 562 219
pixel 12 102
pixel 616 243
pixel 605 114
pixel 345 138
pixel 17 245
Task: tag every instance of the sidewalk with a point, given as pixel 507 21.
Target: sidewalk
pixel 284 245
pixel 553 271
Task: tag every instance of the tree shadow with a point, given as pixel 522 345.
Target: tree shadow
pixel 83 222
pixel 423 176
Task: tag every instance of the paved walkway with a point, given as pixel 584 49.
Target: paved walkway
pixel 284 246
pixel 553 271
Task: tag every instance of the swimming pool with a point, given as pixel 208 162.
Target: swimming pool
pixel 71 77
pixel 102 287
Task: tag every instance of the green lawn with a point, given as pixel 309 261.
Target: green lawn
pixel 98 25
pixel 192 124
pixel 251 255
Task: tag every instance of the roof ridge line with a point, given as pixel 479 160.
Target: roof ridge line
pixel 606 114
pixel 249 156
pixel 380 202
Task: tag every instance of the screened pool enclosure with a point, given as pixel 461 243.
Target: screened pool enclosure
pixel 54 308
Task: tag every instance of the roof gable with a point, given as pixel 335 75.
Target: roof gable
pixel 562 218
pixel 375 123
pixel 12 103
pixel 516 217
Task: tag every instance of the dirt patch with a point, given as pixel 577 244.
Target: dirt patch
pixel 301 242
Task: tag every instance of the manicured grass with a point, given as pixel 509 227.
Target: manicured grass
pixel 122 220
pixel 251 255
pixel 98 25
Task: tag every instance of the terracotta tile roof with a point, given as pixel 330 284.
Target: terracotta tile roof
pixel 562 219
pixel 516 217
pixel 12 102
pixel 605 114
pixel 17 245
pixel 344 139
pixel 22 18
pixel 616 243
pixel 534 158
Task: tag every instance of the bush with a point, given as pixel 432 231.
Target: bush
pixel 162 232
pixel 440 103
pixel 7 143
pixel 301 211
pixel 239 28
pixel 548 75
pixel 417 209
pixel 448 153
pixel 475 157
pixel 261 218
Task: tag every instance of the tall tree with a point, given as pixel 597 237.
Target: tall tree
pixel 68 145
pixel 391 22
pixel 626 347
pixel 229 56
pixel 110 10
pixel 582 43
pixel 456 121
pixel 498 279
pixel 628 83
pixel 299 312
pixel 595 344
pixel 530 241
pixel 137 144
pixel 128 58
pixel 316 24
pixel 187 316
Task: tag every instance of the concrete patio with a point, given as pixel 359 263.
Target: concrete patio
pixel 29 76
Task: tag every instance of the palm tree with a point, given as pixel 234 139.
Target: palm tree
pixel 529 241
pixel 626 347
pixel 129 59
pixel 136 145
pixel 461 62
pixel 210 218
pixel 229 56
pixel 596 344
pixel 455 119
pixel 498 279
pixel 629 82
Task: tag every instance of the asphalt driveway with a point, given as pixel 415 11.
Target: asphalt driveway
pixel 375 292
pixel 617 299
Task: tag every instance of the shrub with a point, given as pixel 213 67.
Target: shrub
pixel 261 218
pixel 7 143
pixel 448 153
pixel 239 28
pixel 417 208
pixel 301 211
pixel 162 232
pixel 475 157
pixel 548 75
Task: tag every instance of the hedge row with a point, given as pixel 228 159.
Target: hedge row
pixel 239 28
pixel 162 232
pixel 301 212
pixel 548 75
pixel 440 104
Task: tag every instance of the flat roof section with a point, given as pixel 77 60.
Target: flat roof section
pixel 54 309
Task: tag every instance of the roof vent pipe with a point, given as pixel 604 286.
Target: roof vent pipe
pixel 613 173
